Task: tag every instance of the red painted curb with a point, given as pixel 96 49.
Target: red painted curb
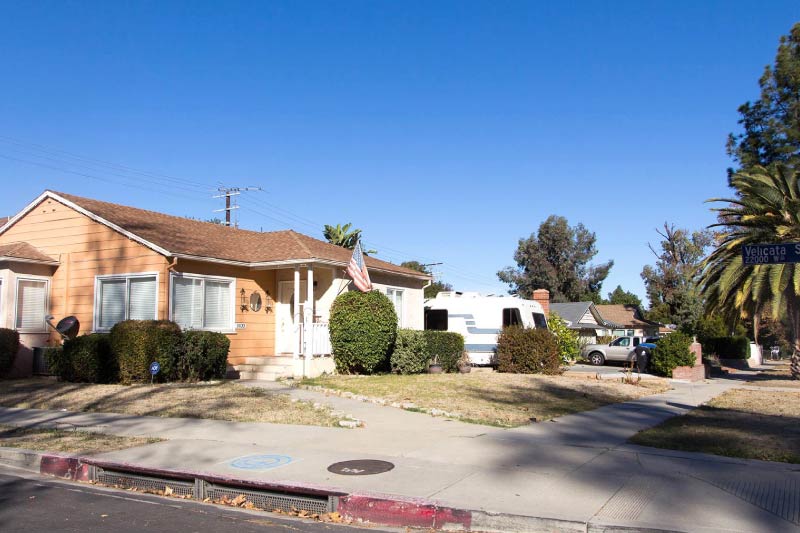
pixel 63 466
pixel 402 512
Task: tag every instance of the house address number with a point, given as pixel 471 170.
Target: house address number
pixel 241 325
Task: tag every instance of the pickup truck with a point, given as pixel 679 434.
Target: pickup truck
pixel 621 349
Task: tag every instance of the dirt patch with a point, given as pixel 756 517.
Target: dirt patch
pixel 750 424
pixel 219 401
pixel 777 375
pixel 67 441
pixel 505 400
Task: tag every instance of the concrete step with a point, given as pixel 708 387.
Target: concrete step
pixel 275 360
pixel 264 368
pixel 263 376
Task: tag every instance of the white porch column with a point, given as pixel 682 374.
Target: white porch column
pixel 296 317
pixel 308 319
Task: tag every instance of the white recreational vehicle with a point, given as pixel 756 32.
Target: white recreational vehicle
pixel 480 319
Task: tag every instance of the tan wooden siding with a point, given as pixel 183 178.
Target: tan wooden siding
pixel 84 249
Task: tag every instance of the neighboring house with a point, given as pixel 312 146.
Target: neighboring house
pixel 585 319
pixel 270 293
pixel 627 320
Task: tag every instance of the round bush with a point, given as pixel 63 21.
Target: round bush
pixel 363 328
pixel 672 351
pixel 137 343
pixel 203 356
pixel 445 347
pixel 568 346
pixel 528 351
pixel 88 359
pixel 9 346
pixel 410 355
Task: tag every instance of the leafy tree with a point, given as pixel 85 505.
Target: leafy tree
pixel 567 339
pixel 772 124
pixel 620 296
pixel 766 209
pixel 434 288
pixel 672 283
pixel 557 259
pixel 343 236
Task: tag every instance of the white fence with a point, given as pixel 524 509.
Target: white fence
pixel 320 339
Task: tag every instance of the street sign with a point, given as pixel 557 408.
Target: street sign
pixel 765 254
pixel 155 368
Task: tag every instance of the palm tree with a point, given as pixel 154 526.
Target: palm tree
pixel 766 210
pixel 342 235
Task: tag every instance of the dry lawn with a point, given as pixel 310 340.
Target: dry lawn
pixel 778 375
pixel 505 400
pixel 219 401
pixel 751 424
pixel 70 441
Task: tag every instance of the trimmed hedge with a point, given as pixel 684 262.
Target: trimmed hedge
pixel 137 343
pixel 203 356
pixel 410 354
pixel 86 359
pixel 363 328
pixel 528 351
pixel 446 347
pixel 9 346
pixel 672 351
pixel 728 347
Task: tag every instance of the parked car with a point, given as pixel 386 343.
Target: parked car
pixel 626 349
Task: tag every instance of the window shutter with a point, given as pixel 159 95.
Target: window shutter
pixel 112 302
pixel 142 299
pixel 218 305
pixel 31 303
pixel 187 302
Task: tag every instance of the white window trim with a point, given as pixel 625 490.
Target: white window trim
pixel 402 291
pixel 3 302
pixel 187 275
pixel 28 277
pixel 127 277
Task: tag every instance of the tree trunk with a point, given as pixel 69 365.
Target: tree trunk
pixel 794 365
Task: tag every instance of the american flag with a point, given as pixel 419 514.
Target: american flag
pixel 357 270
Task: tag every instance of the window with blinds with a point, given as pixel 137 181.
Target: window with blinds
pixel 31 305
pixel 119 298
pixel 396 297
pixel 202 303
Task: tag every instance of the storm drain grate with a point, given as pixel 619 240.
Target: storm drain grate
pixel 144 483
pixel 269 501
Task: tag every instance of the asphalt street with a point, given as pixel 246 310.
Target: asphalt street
pixel 32 503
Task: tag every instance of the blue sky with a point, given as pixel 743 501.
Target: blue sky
pixel 445 130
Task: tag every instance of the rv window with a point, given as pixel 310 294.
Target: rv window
pixel 511 317
pixel 436 319
pixel 539 320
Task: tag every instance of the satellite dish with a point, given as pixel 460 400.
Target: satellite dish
pixel 68 327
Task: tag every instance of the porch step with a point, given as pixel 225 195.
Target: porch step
pixel 268 368
pixel 278 360
pixel 262 376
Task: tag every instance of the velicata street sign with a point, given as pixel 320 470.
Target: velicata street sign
pixel 155 367
pixel 765 254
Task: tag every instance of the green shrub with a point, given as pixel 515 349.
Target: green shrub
pixel 728 347
pixel 86 359
pixel 567 339
pixel 604 339
pixel 363 327
pixel 446 347
pixel 709 327
pixel 410 354
pixel 672 351
pixel 203 356
pixel 527 351
pixel 54 359
pixel 9 346
pixel 137 343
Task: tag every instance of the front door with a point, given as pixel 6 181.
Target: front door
pixel 287 332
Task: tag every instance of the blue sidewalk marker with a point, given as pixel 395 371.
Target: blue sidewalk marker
pixel 261 462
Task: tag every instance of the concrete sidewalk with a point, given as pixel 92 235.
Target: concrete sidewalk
pixel 573 473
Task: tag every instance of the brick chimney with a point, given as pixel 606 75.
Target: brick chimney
pixel 543 297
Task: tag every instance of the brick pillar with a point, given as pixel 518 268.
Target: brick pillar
pixel 697 350
pixel 543 297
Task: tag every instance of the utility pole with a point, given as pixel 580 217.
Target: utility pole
pixel 228 193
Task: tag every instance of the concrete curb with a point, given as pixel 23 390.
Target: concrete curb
pixel 379 509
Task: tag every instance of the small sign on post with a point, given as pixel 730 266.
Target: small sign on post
pixel 155 368
pixel 766 254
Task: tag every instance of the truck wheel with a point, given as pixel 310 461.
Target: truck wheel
pixel 596 358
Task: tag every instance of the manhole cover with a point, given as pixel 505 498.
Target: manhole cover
pixel 362 467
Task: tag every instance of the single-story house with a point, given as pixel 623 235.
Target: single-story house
pixel 585 319
pixel 627 319
pixel 270 293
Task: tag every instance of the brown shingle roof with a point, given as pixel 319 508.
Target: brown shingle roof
pixel 24 251
pixel 183 236
pixel 624 315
